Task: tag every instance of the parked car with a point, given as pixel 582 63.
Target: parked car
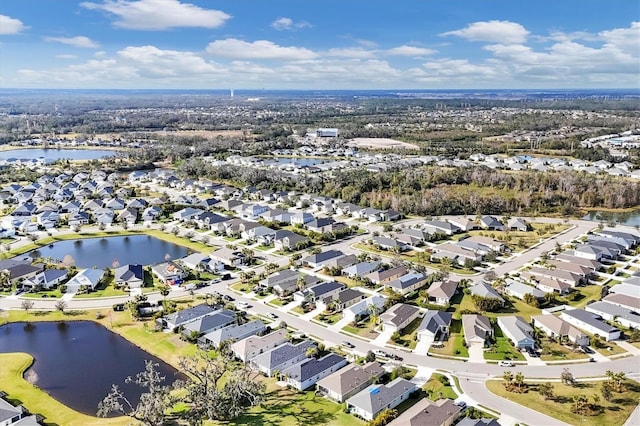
pixel 379 352
pixel 243 305
pixel 461 404
pixel 118 307
pixel 228 298
pixel 395 357
pixel 347 344
pixel 272 315
pixel 505 364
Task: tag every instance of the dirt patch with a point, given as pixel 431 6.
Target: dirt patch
pixel 380 143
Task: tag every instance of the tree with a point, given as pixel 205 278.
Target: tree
pixel 153 403
pixel 219 389
pixel 26 305
pixel 370 357
pixel 508 380
pixel 546 390
pixel 530 300
pixel 164 291
pixel 61 305
pixel 385 417
pixel 606 391
pixel 312 352
pixel 567 378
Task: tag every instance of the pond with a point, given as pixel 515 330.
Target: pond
pixel 51 155
pixel 631 218
pixel 106 252
pixel 76 362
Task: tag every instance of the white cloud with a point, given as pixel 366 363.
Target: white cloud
pixel 284 23
pixel 66 56
pixel 78 41
pixel 159 14
pixel 409 51
pixel 10 25
pixel 625 39
pixel 259 49
pixel 493 32
pixel 351 52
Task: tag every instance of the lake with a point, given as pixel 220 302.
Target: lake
pixel 623 218
pixel 104 252
pixel 76 362
pixel 51 155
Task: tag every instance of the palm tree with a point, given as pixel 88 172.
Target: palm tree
pixel 241 317
pixel 164 291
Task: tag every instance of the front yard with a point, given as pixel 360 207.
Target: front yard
pixel 439 387
pixel 553 351
pixel 364 329
pixel 502 349
pixel 454 345
pixel 409 334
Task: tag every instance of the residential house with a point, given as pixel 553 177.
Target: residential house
pixel 382 276
pixel 301 218
pixel 227 256
pixel 16 415
pixel 346 209
pixel 443 412
pixel 316 261
pixel 463 223
pixel 319 292
pixel 434 325
pixel 360 269
pixel 344 299
pixel 556 327
pixel 252 346
pixel 491 243
pixel 47 279
pixel 169 273
pixel 517 224
pixel 440 227
pixel 306 374
pixel 78 218
pixel 441 292
pixel 260 234
pixel 412 237
pixel 518 331
pixel 89 278
pixel 350 380
pixel 367 404
pixel 615 313
pixel 342 261
pixel 483 289
pixel 386 243
pixel 281 357
pixel 468 421
pixel 519 290
pixel 476 328
pixel 455 253
pixel 129 276
pixel 363 308
pixel 208 323
pixel 549 285
pixel 231 333
pixel 407 283
pixel 591 323
pixel 186 214
pixel 567 277
pixel 626 288
pixel 181 317
pixel 491 223
pixel 398 317
pixel 288 240
pixel 325 225
pixel 196 261
pixel 624 300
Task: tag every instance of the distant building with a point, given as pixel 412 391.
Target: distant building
pixel 327 133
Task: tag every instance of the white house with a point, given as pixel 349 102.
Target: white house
pixel 591 323
pixel 368 403
pixel 398 317
pixel 517 330
pixel 556 327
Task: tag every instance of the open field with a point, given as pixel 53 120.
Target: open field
pixel 614 412
pixel 380 143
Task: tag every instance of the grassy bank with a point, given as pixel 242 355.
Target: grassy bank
pixel 39 402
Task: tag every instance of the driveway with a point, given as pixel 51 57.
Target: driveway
pixel 476 353
pixel 423 345
pixel 383 338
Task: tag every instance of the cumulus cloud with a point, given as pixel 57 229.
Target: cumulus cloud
pixel 283 23
pixel 9 25
pixel 259 49
pixel 66 56
pixel 493 32
pixel 409 51
pixel 351 52
pixel 78 41
pixel 158 14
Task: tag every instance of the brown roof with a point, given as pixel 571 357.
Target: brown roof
pixel 429 413
pixel 351 377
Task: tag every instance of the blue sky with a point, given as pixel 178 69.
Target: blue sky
pixel 320 44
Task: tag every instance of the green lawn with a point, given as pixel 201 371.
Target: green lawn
pixel 614 413
pixel 365 330
pixel 512 306
pixel 454 345
pixel 44 293
pixel 409 334
pixel 285 407
pixel 276 302
pixel 298 310
pixel 241 287
pixel 435 389
pixel 607 348
pixel 503 350
pixel 329 318
pixel 586 294
pixel 552 351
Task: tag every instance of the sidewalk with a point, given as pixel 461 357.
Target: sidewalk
pixel 628 347
pixel 383 338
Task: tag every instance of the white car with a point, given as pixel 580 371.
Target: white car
pixel 243 305
pixel 505 364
